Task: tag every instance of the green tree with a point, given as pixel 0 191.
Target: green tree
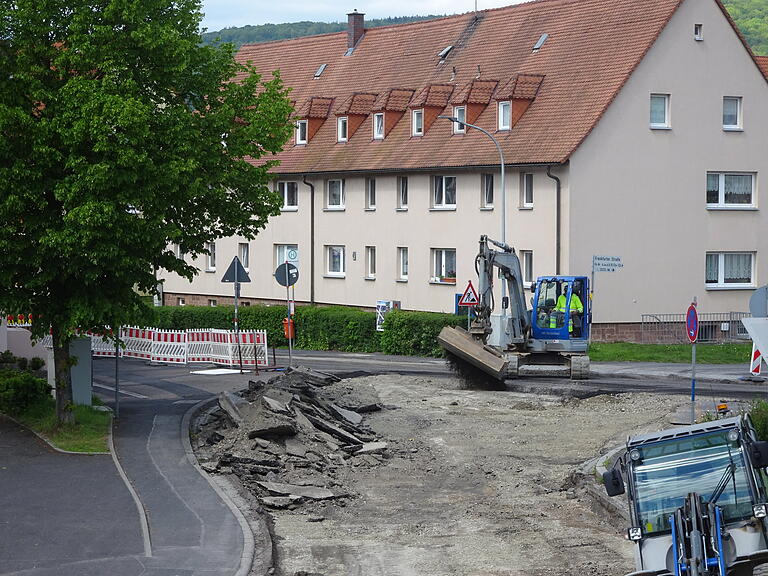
pixel 121 135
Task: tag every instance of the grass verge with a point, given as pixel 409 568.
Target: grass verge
pixel 676 353
pixel 89 433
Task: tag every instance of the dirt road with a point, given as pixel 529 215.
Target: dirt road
pixel 474 483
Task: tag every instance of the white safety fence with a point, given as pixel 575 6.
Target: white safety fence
pixel 184 346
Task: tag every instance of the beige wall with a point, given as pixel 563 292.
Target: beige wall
pixel 419 228
pixel 640 193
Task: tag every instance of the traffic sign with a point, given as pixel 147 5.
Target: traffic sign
pixel 692 324
pixel 287 274
pixel 469 298
pixel 236 272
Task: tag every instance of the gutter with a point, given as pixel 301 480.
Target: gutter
pixel 311 239
pixel 557 219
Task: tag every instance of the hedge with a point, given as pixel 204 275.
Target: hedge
pixel 322 327
pixel 20 390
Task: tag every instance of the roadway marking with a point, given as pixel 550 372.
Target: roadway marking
pixel 127 393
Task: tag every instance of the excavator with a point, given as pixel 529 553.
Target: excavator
pixel 698 499
pixel 549 334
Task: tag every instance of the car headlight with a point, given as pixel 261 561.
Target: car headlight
pixel 733 435
pixel 760 510
pixel 634 454
pixel 635 533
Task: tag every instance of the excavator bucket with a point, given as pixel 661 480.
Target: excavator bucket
pixel 462 345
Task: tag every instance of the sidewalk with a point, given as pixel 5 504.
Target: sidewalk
pixel 723 373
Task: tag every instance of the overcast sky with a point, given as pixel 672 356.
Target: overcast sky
pixel 226 13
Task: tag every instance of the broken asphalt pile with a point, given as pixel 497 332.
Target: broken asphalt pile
pixel 287 439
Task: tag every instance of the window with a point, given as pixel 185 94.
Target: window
pixel 177 252
pixel 731 113
pixel 698 32
pixel 378 126
pixel 334 256
pixel 286 253
pixel 444 195
pixel 402 193
pixel 443 266
pixel 370 193
pixel 211 257
pixel 659 111
pixel 526 259
pixel 335 198
pixel 730 190
pixel 460 113
pixel 181 302
pixel 526 190
pixel 301 132
pixel 417 122
pixel 211 302
pixel 341 129
pixel 486 200
pixel 504 121
pixel 290 193
pixel 402 264
pixel 370 262
pixel 729 270
pixel 243 252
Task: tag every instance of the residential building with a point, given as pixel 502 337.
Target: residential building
pixel 630 129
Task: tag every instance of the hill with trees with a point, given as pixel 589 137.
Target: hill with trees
pixel 751 17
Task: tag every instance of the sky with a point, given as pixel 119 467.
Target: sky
pixel 220 14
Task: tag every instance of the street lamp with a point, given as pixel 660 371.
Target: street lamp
pixel 503 206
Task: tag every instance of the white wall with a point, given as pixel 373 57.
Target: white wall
pixel 640 193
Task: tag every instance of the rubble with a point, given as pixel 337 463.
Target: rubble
pixel 287 438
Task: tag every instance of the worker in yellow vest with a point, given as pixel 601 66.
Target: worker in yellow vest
pixel 576 308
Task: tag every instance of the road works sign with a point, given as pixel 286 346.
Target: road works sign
pixel 469 298
pixel 692 324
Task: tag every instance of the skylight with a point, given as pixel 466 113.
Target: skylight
pixel 540 42
pixel 320 70
pixel 443 54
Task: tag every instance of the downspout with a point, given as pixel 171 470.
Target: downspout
pixel 557 219
pixel 311 239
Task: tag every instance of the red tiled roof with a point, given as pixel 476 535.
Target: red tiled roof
pixel 476 92
pixel 762 61
pixel 434 95
pixel 315 107
pixel 359 103
pixel 592 48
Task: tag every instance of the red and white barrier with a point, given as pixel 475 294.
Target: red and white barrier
pixel 184 346
pixel 758 331
pixel 757 361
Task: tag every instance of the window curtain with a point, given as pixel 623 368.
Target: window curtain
pixel 712 268
pixel 713 188
pixel 738 188
pixel 737 268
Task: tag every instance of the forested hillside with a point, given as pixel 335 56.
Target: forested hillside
pixel 751 16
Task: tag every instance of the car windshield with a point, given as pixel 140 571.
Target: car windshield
pixel 668 471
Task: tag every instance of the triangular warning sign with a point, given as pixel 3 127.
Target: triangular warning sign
pixel 236 272
pixel 469 298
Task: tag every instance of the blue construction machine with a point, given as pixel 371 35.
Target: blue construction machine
pixel 554 332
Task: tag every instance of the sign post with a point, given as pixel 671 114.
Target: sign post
pixel 287 275
pixel 237 274
pixel 692 331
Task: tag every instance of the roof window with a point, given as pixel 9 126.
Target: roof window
pixel 443 54
pixel 540 42
pixel 320 70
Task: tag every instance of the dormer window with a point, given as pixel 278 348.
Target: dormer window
pixel 301 132
pixel 378 126
pixel 504 116
pixel 417 122
pixel 341 128
pixel 460 113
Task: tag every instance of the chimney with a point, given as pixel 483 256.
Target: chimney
pixel 355 28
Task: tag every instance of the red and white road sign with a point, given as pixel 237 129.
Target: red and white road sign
pixel 469 298
pixel 755 366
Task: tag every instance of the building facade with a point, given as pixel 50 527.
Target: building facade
pixel 635 130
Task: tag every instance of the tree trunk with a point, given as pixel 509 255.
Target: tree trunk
pixel 61 363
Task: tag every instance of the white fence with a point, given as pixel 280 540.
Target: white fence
pixel 184 346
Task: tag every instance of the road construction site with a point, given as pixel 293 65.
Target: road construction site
pixel 421 475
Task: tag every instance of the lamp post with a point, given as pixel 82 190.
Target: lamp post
pixel 503 206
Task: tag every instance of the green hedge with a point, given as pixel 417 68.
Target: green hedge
pixel 415 333
pixel 322 327
pixel 20 390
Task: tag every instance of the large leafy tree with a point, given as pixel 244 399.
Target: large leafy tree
pixel 120 135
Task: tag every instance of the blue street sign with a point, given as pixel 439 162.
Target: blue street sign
pixel 692 324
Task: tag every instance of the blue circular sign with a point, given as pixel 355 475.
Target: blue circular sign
pixel 692 324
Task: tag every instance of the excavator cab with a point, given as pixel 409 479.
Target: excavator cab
pixel 561 308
